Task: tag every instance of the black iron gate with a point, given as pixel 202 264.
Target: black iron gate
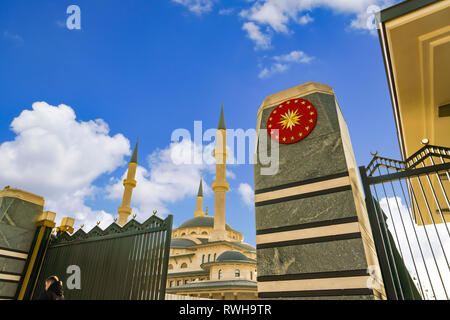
pixel 122 263
pixel 409 211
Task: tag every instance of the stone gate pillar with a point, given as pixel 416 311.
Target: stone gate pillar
pixel 312 231
pixel 19 213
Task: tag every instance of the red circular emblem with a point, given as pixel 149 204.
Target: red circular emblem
pixel 292 121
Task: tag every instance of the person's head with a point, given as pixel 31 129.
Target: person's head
pixel 49 281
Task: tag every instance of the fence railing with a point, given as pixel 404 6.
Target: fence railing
pixel 409 211
pixel 121 263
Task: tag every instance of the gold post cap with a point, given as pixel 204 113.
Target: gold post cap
pixel 66 225
pixel 47 216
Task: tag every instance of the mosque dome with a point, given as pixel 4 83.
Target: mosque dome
pixel 181 243
pixel 201 222
pixel 232 255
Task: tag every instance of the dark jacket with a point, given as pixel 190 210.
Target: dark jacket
pixel 54 292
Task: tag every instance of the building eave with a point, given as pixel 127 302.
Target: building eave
pixel 402 8
pixel 188 273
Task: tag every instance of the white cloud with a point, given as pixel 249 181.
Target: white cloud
pixel 294 57
pixel 59 157
pixel 197 6
pixel 273 69
pixel 262 40
pixel 247 194
pixel 278 14
pixel 284 62
pixel 305 19
pixel 14 37
pixel 268 13
pixel 226 12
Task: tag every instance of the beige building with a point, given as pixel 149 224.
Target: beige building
pixel 415 42
pixel 208 258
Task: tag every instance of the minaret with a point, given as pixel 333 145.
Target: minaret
pixel 220 186
pixel 129 183
pixel 199 210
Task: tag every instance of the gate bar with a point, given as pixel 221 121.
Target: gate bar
pixel 388 279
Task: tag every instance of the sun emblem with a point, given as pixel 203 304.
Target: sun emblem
pixel 290 119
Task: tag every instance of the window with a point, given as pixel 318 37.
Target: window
pixel 193 233
pixel 171 284
pixel 170 267
pixel 183 234
pixel 178 282
pixel 209 257
pixel 214 256
pixel 203 259
pixel 220 274
pixel 186 282
pixel 237 273
pixel 183 265
pixel 251 275
pixel 205 233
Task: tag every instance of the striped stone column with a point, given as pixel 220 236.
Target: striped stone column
pixel 313 236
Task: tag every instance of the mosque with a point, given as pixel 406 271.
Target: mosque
pixel 208 258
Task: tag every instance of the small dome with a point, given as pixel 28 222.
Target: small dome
pixel 181 243
pixel 232 256
pixel 201 222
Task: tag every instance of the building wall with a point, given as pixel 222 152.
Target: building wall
pixel 204 232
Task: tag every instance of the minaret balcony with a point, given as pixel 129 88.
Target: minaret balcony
pixel 129 183
pixel 220 186
pixel 124 210
pixel 220 154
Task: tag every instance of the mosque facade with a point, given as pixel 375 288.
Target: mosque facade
pixel 208 258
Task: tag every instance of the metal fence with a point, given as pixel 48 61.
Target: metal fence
pixel 409 210
pixel 122 263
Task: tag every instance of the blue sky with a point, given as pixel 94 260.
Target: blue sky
pixel 146 68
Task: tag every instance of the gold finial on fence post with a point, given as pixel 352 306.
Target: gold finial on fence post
pixel 154 212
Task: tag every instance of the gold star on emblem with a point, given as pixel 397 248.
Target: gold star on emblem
pixel 292 138
pixel 309 107
pixel 300 134
pixel 303 102
pixel 311 113
pixel 284 139
pixel 280 106
pixel 288 102
pixel 274 111
pixel 270 119
pixel 307 128
pixel 290 119
pixel 296 101
pixel 310 120
pixel 270 126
